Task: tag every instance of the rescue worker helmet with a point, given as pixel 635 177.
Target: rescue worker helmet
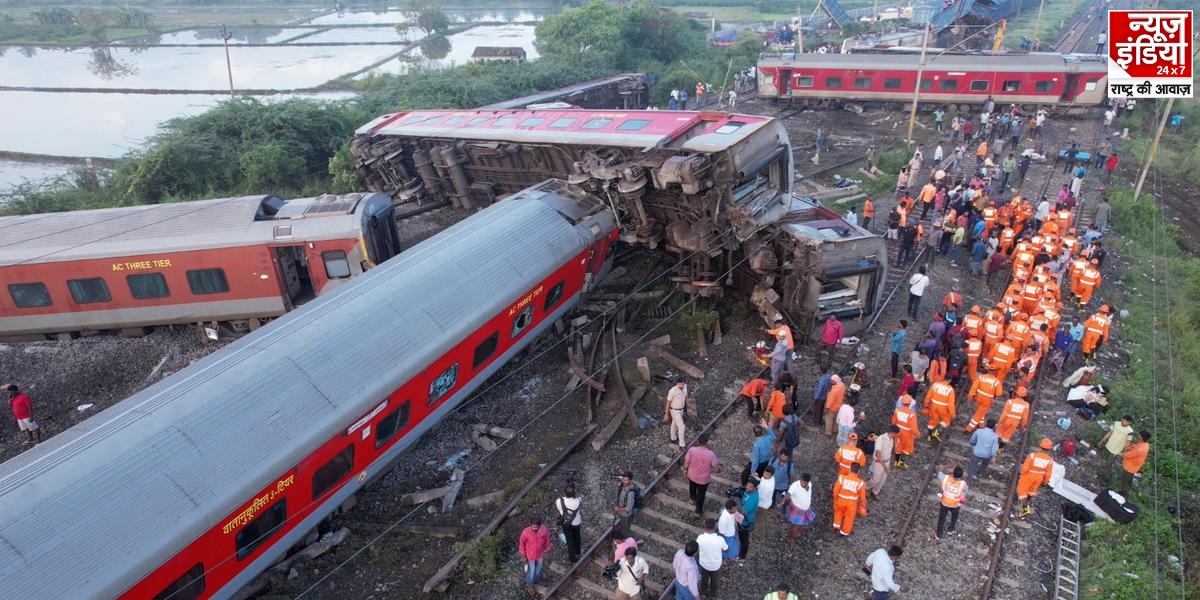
pixel 1046 444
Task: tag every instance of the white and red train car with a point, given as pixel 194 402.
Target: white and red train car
pixel 1036 78
pixel 189 489
pixel 231 260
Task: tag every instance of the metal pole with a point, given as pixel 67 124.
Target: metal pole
pixel 225 35
pixel 799 34
pixel 1162 124
pixel 912 114
pixel 1037 24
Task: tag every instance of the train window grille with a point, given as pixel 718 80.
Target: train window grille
pixel 562 123
pixel 633 125
pixel 729 127
pixel 1011 85
pixel 862 83
pixel 833 82
pixel 395 421
pixel 189 586
pixel 597 123
pixel 486 349
pixel 332 472
pixel 1043 86
pixel 147 286
pixel 443 384
pixel 89 291
pixel 948 85
pixel 336 265
pixel 556 293
pixel 477 121
pixel 926 84
pixel 504 121
pixel 804 82
pixel 979 85
pixel 891 83
pixel 29 295
pixel 208 281
pixel 258 531
pixel 522 320
pixel 530 122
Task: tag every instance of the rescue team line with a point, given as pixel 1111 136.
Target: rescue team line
pixel 158 263
pixel 259 503
pixel 523 302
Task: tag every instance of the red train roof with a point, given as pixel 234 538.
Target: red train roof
pixel 630 128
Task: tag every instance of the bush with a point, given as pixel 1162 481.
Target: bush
pixel 481 557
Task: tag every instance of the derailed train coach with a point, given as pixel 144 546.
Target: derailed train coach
pixel 713 189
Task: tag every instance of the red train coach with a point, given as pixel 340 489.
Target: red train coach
pixel 189 489
pixel 1045 79
pixel 231 260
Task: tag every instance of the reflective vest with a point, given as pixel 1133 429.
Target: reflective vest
pixel 850 488
pixel 989 216
pixel 940 394
pixel 993 330
pixel 972 323
pixel 1037 464
pixel 954 492
pixel 1090 277
pixel 1003 355
pixel 904 418
pixel 1039 338
pixel 987 386
pixel 1015 408
pixel 954 298
pixel 849 454
pixel 1031 292
pixel 1007 236
pixel 974 349
pixel 1097 324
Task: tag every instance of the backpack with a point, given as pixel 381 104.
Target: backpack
pixel 565 517
pixel 791 433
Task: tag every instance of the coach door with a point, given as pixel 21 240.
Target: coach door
pixel 783 83
pixel 1071 89
pixel 296 282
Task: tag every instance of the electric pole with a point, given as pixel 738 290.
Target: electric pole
pixel 912 115
pixel 1037 24
pixel 225 35
pixel 1162 124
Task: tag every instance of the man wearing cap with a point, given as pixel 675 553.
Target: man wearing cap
pixel 1035 473
pixel 905 419
pixel 22 409
pixel 674 409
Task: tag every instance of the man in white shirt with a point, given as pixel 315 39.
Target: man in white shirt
pixel 881 565
pixel 938 154
pixel 799 511
pixel 916 288
pixel 766 496
pixel 711 546
pixel 631 576
pixel 1043 211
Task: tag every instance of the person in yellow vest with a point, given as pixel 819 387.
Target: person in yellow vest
pixel 1035 473
pixel 953 494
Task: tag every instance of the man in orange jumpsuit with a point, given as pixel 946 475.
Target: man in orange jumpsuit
pixel 989 219
pixel 1007 237
pixel 849 499
pixel 849 454
pixel 985 389
pixel 868 213
pixel 1095 332
pixel 1035 473
pixel 1015 416
pixel 973 323
pixel 1002 358
pixel 1018 331
pixel 1031 292
pixel 993 333
pixel 939 405
pixel 906 420
pixel 1027 367
pixel 1075 271
pixel 1088 282
pixel 974 350
pixel 937 369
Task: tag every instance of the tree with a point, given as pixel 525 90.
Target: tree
pixel 589 35
pixel 428 15
pixel 271 167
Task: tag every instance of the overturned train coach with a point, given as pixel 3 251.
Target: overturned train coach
pixel 714 189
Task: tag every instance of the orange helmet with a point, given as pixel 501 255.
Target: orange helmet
pixel 1022 391
pixel 975 309
pixel 1105 309
pixel 1046 444
pixel 906 400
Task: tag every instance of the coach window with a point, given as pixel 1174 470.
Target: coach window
pixel 948 85
pixel 29 295
pixel 336 265
pixel 443 384
pixel 553 296
pixel 88 291
pixel 1011 85
pixel 979 85
pixel 891 83
pixel 147 286
pixel 478 120
pixel 454 121
pixel 395 421
pixel 727 129
pixel 260 529
pixel 633 124
pixel 522 320
pixel 804 82
pixel 926 84
pixel 562 123
pixel 596 123
pixel 862 83
pixel 189 586
pixel 485 350
pixel 833 82
pixel 504 121
pixel 208 281
pixel 1090 86
pixel 531 121
pixel 1043 86
pixel 332 472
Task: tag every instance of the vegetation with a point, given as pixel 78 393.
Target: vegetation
pixel 481 558
pixel 428 16
pixel 73 25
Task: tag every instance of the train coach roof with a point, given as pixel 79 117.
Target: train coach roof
pixel 177 226
pixel 1033 62
pixel 85 513
pixel 686 130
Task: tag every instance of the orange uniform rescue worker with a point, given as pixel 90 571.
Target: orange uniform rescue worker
pixel 1035 473
pixel 849 500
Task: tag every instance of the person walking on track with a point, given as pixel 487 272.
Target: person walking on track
pixel 699 464
pixel 674 410
pixel 953 494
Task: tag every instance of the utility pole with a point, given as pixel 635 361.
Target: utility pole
pixel 1037 23
pixel 799 33
pixel 225 35
pixel 1162 124
pixel 912 114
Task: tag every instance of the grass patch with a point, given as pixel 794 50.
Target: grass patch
pixel 481 557
pixel 1055 16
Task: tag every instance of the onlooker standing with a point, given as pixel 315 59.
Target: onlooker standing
pixel 1116 440
pixel 953 494
pixel 687 572
pixel 631 576
pixel 760 453
pixel 570 520
pixel 710 546
pixel 779 359
pixel 1134 457
pixel 831 333
pixel 1103 211
pixel 22 409
pixel 727 526
pixel 784 470
pixel 782 592
pixel 881 564
pixel 700 463
pixel 766 497
pixel 916 288
pixel 820 393
pixel 985 444
pixel 674 410
pixel 798 508
pixel 881 460
pixel 749 514
pixel 533 546
pixel 896 338
pixel 626 507
pixel 833 403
